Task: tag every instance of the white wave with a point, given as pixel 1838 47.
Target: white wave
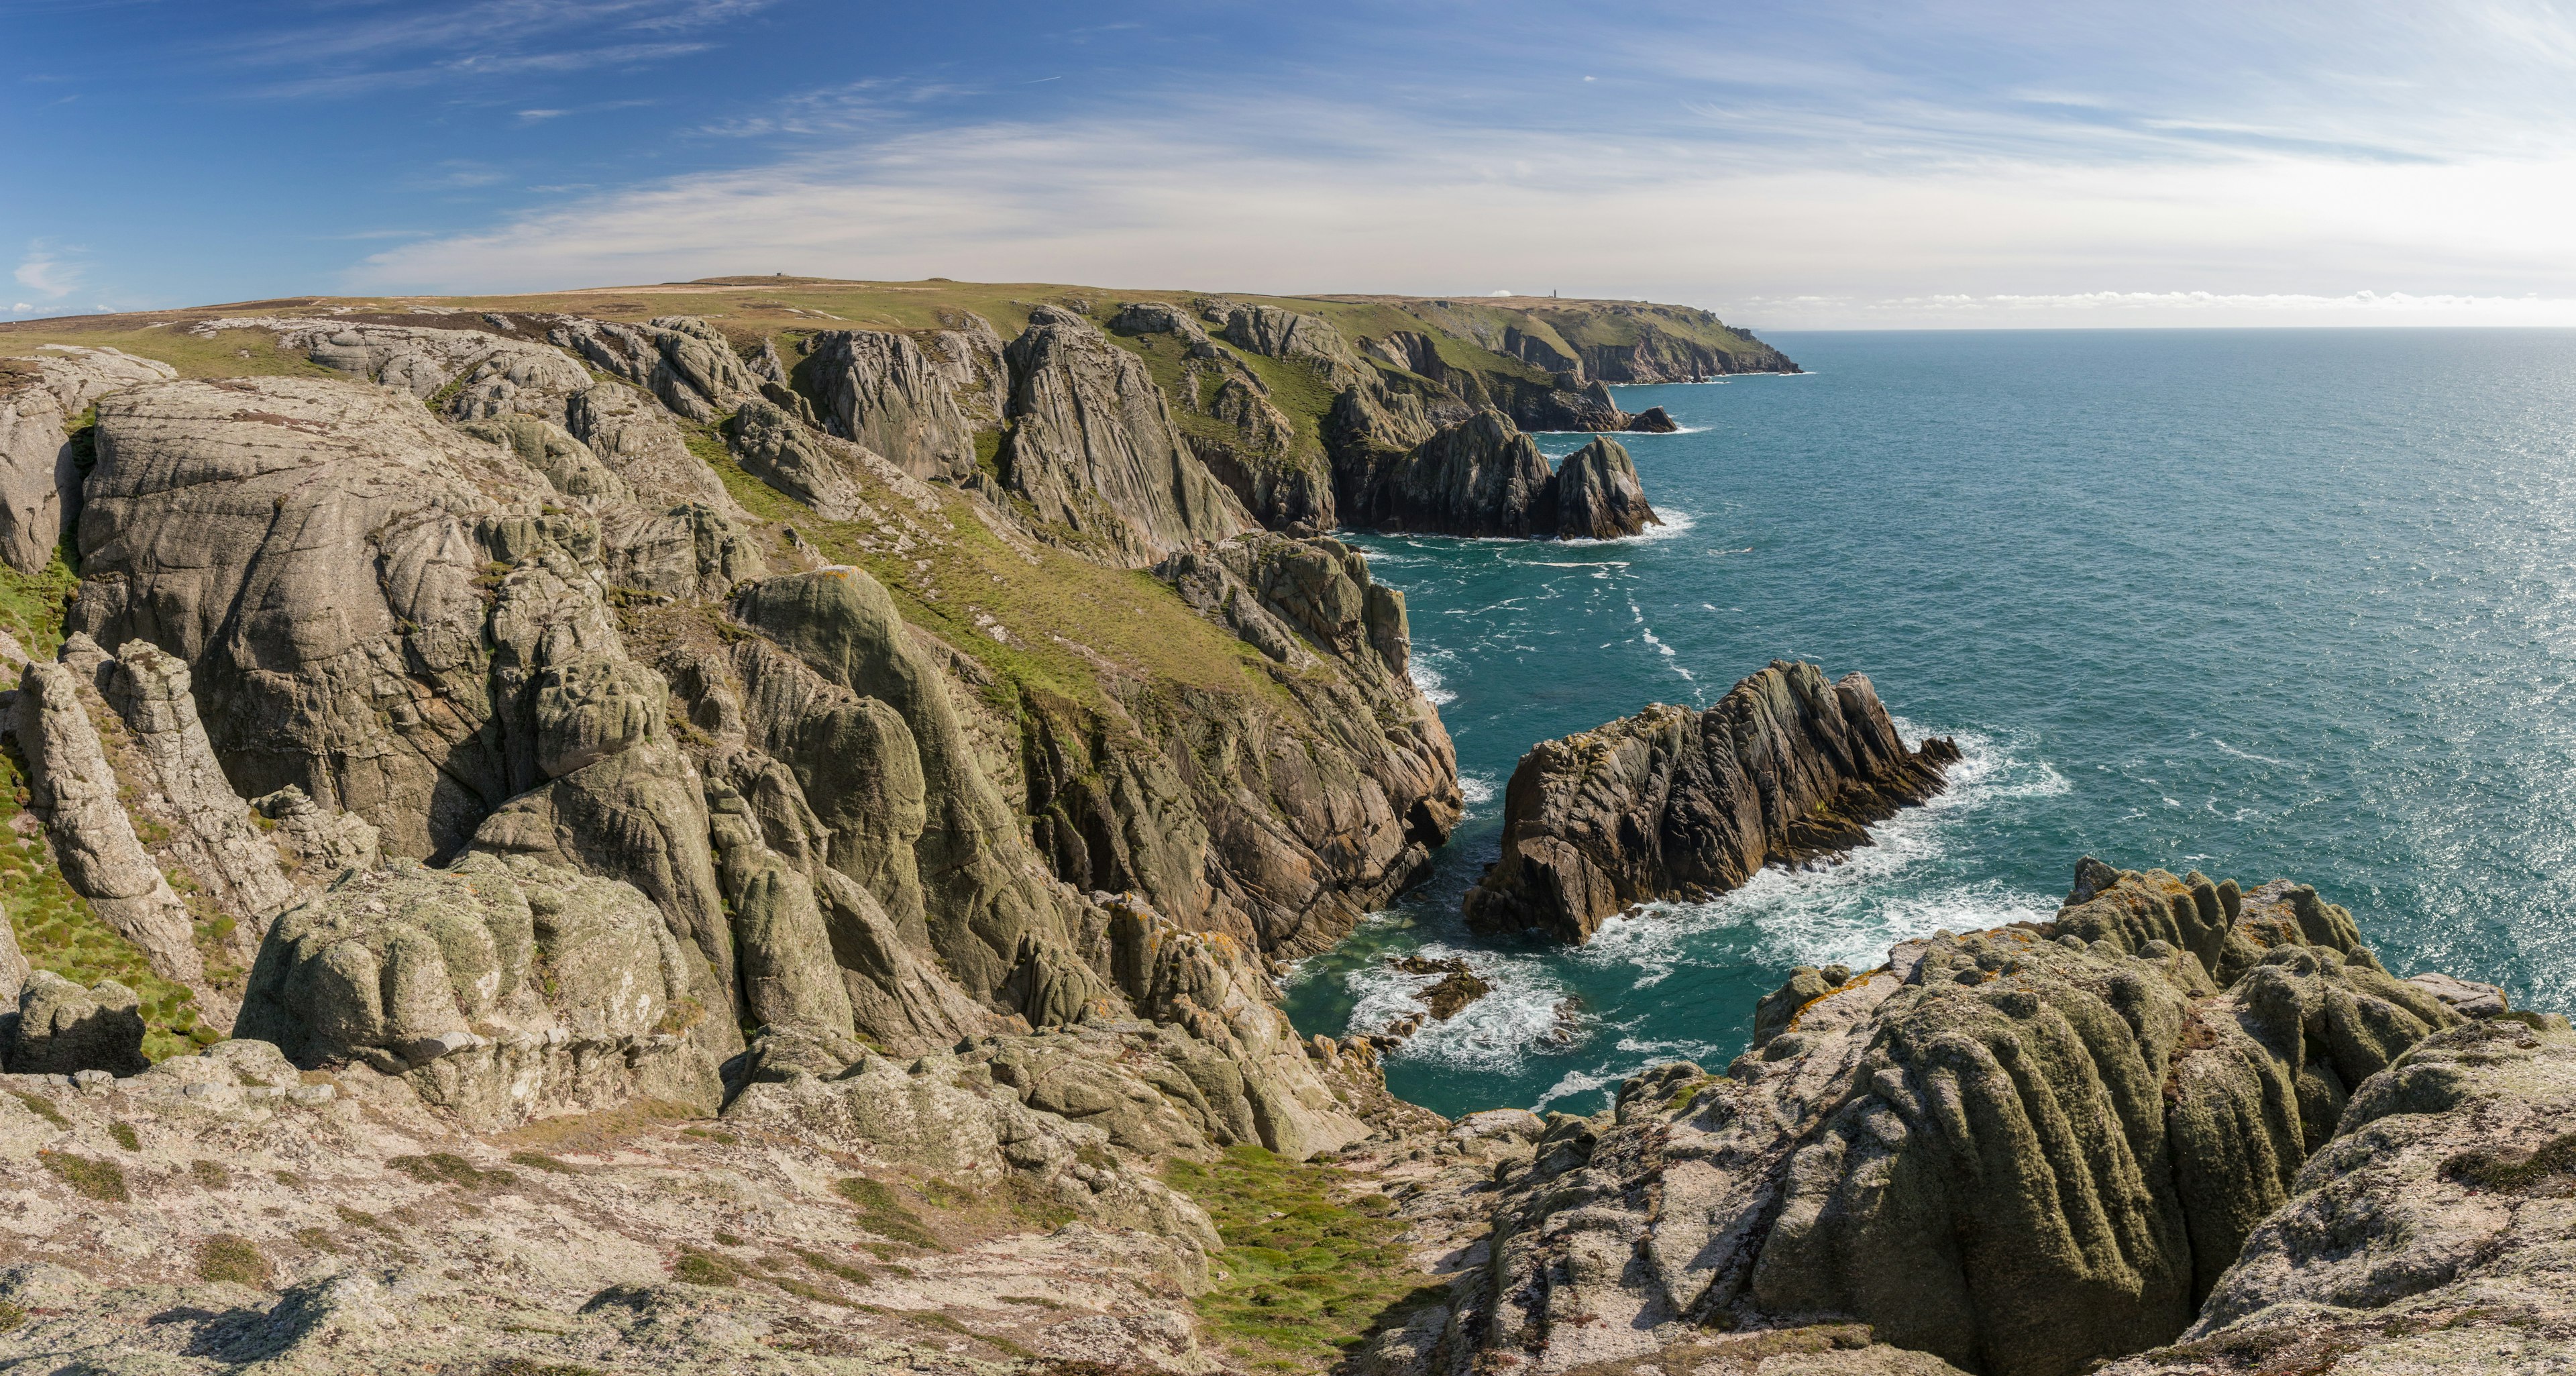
pixel 1840 911
pixel 1429 680
pixel 1493 1033
pixel 1676 522
pixel 2225 749
pixel 1476 790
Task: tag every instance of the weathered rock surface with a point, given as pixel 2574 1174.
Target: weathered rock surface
pixel 1482 477
pixel 1093 447
pixel 41 400
pixel 882 390
pixel 2016 1150
pixel 682 360
pixel 1677 804
pixel 345 1227
pixel 1598 496
pixel 2429 1234
pixel 76 791
pixel 60 1028
pixel 774 448
pixel 497 989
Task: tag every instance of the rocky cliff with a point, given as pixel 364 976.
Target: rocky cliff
pixel 1677 804
pixel 2029 1149
pixel 1483 477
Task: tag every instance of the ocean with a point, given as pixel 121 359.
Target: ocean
pixel 2261 603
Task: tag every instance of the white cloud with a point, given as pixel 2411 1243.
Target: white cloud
pixel 22 306
pixel 42 272
pixel 2273 237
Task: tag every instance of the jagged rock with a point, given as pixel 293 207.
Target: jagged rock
pixel 211 831
pixel 1480 477
pixel 1571 405
pixel 2468 998
pixel 497 989
pixel 1598 496
pixel 2011 1149
pixel 1094 448
pixel 1654 420
pixel 631 435
pixel 1277 332
pixel 76 791
pixel 310 549
pixel 77 376
pixel 2427 1235
pixel 988 913
pixel 881 390
pixel 773 447
pixel 61 1028
pixel 1673 803
pixel 1456 984
pixel 544 446
pixel 682 360
pixel 1162 317
pixel 787 969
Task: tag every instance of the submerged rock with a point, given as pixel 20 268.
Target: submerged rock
pixel 1673 803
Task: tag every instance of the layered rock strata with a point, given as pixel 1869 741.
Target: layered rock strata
pixel 1677 804
pixel 2020 1150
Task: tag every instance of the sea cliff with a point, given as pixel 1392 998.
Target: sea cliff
pixel 751 826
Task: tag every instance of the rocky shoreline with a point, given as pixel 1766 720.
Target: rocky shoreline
pixel 550 839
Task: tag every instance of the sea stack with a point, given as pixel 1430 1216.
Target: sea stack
pixel 1483 477
pixel 1677 804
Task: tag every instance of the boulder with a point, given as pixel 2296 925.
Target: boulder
pixel 1677 804
pixel 38 482
pixel 61 1028
pixel 498 988
pixel 1654 420
pixel 776 448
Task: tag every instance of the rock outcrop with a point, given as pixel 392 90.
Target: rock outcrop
pixel 2018 1150
pixel 42 400
pixel 62 1029
pixel 1482 477
pixel 1598 496
pixel 1093 447
pixel 1677 804
pixel 497 989
pixel 883 391
pixel 2428 1234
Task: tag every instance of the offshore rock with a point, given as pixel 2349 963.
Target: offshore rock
pixel 62 1029
pixel 1480 477
pixel 1654 420
pixel 1483 477
pixel 2016 1150
pixel 1598 496
pixel 1677 804
pixel 498 989
pixel 1093 447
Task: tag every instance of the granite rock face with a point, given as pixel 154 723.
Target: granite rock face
pixel 2017 1150
pixel 497 989
pixel 883 391
pixel 1598 496
pixel 1483 477
pixel 2428 1234
pixel 1677 804
pixel 41 401
pixel 1093 447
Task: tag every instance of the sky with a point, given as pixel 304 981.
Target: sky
pixel 1787 163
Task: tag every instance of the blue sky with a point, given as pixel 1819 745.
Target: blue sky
pixel 1785 163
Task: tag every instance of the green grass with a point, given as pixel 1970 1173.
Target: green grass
pixel 87 1176
pixel 1307 1286
pixel 42 1107
pixel 31 605
pixel 535 1160
pixel 211 1174
pixel 704 1268
pixel 447 1168
pixel 226 1257
pixel 882 1214
pixel 125 1136
pixel 58 931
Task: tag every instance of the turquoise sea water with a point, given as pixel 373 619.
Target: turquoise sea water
pixel 2260 603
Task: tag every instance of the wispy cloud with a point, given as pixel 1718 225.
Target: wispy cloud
pixel 47 275
pixel 418 46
